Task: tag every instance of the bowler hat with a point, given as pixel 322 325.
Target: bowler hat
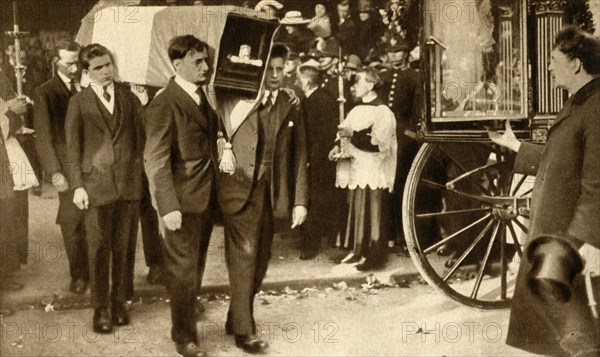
pixel 353 62
pixel 555 263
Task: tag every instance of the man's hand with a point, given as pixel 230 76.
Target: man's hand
pixel 173 220
pixel 59 182
pixel 80 198
pixel 293 97
pixel 508 139
pixel 298 216
pixel 591 257
pixel 333 154
pixel 345 132
pixel 17 105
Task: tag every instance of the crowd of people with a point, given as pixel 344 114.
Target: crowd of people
pixel 118 157
pixel 327 145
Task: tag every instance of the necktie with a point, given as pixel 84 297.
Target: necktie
pixel 199 92
pixel 269 103
pixel 72 88
pixel 106 95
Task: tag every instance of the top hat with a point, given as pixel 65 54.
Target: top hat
pixel 293 18
pixel 353 62
pixel 555 263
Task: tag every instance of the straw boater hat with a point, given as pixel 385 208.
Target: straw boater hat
pixel 293 18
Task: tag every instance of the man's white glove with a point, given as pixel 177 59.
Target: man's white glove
pixel 591 259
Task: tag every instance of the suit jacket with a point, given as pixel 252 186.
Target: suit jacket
pixel 107 163
pixel 288 172
pixel 565 202
pixel 180 151
pixel 50 110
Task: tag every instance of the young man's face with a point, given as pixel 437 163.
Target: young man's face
pixel 290 67
pixel 193 67
pixel 343 11
pixel 101 70
pixel 397 57
pixel 66 63
pixel 275 73
pixel 361 86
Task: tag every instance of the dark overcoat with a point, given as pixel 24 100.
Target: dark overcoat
pixel 565 202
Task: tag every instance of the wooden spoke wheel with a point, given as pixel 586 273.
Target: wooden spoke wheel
pixel 464 214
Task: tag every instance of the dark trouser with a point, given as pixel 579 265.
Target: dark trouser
pixel 150 234
pixel 184 259
pixel 327 218
pixel 248 238
pixel 14 217
pixel 110 229
pixel 72 227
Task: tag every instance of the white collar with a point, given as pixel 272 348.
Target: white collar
pixel 66 80
pixel 189 87
pixel 100 89
pixel 275 93
pixel 310 91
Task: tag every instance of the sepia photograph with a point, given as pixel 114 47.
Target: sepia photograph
pixel 300 178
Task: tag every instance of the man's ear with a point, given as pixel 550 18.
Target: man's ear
pixel 577 65
pixel 176 64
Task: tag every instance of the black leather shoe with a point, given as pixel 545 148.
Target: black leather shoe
pixel 78 286
pixel 308 254
pixel 155 275
pixel 251 343
pixel 190 349
pixel 102 323
pixel 120 316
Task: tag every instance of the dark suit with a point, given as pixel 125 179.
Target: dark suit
pixel 51 102
pixel 179 163
pixel 565 202
pixel 326 201
pixel 104 156
pixel 270 178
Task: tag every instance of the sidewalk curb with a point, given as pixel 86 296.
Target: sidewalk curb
pixel 151 293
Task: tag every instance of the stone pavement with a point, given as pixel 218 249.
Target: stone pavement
pixel 46 278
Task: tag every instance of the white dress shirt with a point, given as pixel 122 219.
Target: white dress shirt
pixel 67 81
pixel 189 87
pixel 99 90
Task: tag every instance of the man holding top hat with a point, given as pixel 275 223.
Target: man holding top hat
pixel 550 313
